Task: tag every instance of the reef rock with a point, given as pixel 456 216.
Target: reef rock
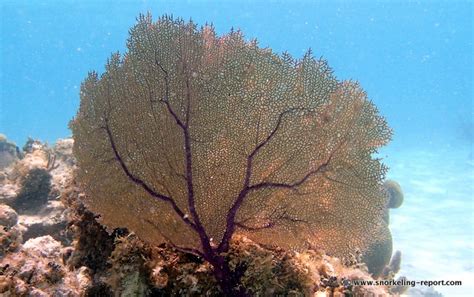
pixel 37 158
pixel 8 192
pixel 34 193
pixel 9 152
pixel 10 231
pixel 45 246
pixel 63 150
pixel 62 167
pixel 51 220
pixel 38 270
pixel 33 185
pixel 8 216
pixel 164 271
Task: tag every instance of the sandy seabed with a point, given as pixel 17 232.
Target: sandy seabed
pixel 434 227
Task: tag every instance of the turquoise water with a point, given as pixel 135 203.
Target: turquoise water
pixel 434 227
pixel 414 59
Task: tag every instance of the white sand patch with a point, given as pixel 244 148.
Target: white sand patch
pixel 435 225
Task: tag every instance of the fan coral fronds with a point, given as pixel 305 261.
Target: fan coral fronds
pixel 189 138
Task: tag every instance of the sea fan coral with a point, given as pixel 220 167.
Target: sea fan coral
pixel 189 138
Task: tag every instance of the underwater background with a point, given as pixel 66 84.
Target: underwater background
pixel 414 59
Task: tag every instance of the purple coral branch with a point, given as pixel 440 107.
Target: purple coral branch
pixel 142 184
pixel 291 186
pixel 166 98
pixel 175 246
pixel 271 224
pixel 320 169
pixel 230 219
pixel 198 227
pixel 205 241
pixel 272 220
pixel 277 126
pixel 247 188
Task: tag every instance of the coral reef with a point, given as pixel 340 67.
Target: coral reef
pixel 35 158
pixel 304 175
pixel 99 263
pixel 63 151
pixel 93 245
pixel 8 190
pixel 52 220
pixel 128 274
pixel 164 271
pixel 34 191
pixel 32 238
pixel 395 197
pixel 8 216
pixel 37 269
pixel 10 232
pixel 32 145
pixel 378 255
pixel 395 193
pixel 394 267
pixel 32 186
pixel 9 152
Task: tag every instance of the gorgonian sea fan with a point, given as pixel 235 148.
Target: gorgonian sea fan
pixel 189 137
